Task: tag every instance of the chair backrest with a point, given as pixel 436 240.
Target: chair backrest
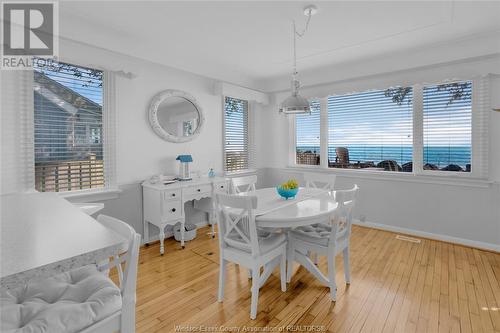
pixel 319 180
pixel 237 222
pixel 128 254
pixel 342 218
pixel 342 154
pixel 243 184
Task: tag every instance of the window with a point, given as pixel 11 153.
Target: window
pixel 307 134
pixel 235 134
pixel 371 130
pixel 423 129
pixel 68 127
pixel 447 126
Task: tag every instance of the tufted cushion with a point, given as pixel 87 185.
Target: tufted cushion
pixel 67 302
pixel 317 233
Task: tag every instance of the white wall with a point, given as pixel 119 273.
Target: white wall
pixel 461 212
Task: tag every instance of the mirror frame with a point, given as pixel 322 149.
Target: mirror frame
pixel 153 115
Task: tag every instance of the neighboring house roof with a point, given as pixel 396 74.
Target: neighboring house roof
pixel 62 96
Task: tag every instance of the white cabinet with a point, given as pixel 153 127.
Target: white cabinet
pixel 164 204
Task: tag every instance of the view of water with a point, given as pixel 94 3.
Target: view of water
pixel 439 156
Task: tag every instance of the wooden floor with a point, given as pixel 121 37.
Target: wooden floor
pixel 397 286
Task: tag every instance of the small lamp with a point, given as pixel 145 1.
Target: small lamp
pixel 184 160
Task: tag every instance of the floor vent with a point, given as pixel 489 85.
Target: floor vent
pixel 408 239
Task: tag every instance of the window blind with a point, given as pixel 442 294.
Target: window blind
pixel 16 98
pixel 371 129
pixel 307 135
pixel 68 132
pixel 235 134
pixel 447 126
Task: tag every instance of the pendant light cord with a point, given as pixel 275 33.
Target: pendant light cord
pixel 301 34
pixel 294 48
pixel 295 33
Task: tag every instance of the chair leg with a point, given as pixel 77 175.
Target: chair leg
pixel 331 276
pixel 222 278
pixel 347 265
pixel 212 223
pixel 127 318
pixel 249 272
pixel 290 257
pixel 283 274
pixel 255 292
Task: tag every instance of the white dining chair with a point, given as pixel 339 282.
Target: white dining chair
pixel 127 279
pixel 325 239
pixel 243 184
pixel 240 244
pixel 81 300
pixel 238 185
pixel 319 181
pixel 246 184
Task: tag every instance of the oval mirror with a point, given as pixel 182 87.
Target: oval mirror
pixel 176 116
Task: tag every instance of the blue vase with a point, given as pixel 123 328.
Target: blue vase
pixel 211 173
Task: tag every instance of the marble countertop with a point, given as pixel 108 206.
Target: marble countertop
pixel 42 234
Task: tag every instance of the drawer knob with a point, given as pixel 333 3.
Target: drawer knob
pixel 173 210
pixel 173 194
pixel 199 190
pixel 222 186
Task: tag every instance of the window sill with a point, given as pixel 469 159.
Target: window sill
pixel 246 172
pixel 91 195
pixel 447 179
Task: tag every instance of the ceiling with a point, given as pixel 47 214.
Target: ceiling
pixel 245 42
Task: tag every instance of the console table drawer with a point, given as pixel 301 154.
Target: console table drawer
pixel 221 187
pixel 172 210
pixel 193 190
pixel 172 195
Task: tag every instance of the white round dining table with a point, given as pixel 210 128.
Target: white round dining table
pixel 308 207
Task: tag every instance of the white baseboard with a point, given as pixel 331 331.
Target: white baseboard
pixel 169 232
pixel 423 234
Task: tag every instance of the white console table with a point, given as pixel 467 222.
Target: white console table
pixel 164 204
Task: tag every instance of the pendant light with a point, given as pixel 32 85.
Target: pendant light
pixel 296 104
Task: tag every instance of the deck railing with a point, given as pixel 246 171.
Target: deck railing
pixel 61 176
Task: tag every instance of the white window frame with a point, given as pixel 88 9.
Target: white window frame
pixel 109 128
pixel 477 137
pixel 479 144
